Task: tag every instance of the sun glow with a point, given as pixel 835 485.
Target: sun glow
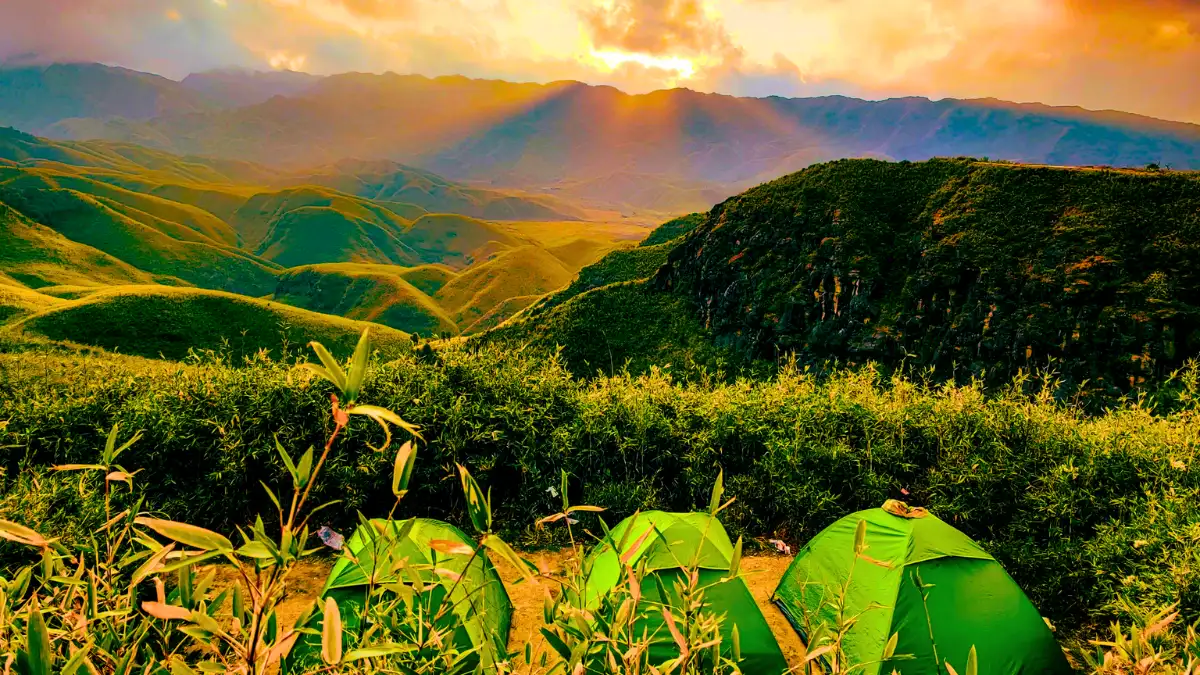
pixel 286 61
pixel 612 60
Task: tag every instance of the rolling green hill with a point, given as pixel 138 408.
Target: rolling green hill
pixel 35 256
pixel 621 325
pixel 630 264
pixel 673 229
pixel 389 181
pixel 17 302
pixel 121 214
pixel 522 271
pixel 157 247
pixel 157 320
pixel 378 293
pixel 456 241
pixel 976 269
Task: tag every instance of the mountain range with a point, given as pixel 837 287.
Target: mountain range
pixel 677 148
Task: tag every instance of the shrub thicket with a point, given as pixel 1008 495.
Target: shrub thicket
pixel 1081 511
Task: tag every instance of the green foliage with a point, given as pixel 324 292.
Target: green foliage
pixel 621 327
pixel 674 229
pixel 378 293
pixel 174 322
pixel 975 269
pixel 1098 516
pixel 621 265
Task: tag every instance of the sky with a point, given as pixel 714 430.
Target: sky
pixel 1139 56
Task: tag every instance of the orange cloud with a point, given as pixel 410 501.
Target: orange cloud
pixel 656 27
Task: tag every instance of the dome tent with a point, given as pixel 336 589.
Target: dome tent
pixel 924 581
pixel 674 542
pixel 481 612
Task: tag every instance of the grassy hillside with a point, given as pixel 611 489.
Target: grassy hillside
pixel 428 278
pixel 160 321
pixel 456 241
pixel 522 271
pixel 140 243
pixel 378 293
pixel 255 219
pixel 673 229
pixel 17 302
pixel 621 265
pixel 317 234
pixel 621 326
pixel 388 181
pixel 35 255
pixel 976 269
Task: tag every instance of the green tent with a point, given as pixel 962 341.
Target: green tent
pixel 674 542
pixel 925 581
pixel 401 551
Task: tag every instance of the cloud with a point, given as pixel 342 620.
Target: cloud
pixel 1136 55
pixel 656 28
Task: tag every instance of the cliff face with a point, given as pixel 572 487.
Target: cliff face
pixel 974 268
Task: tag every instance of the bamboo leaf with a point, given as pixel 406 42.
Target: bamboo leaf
pixel 718 491
pixel 304 468
pixel 476 502
pixel 557 644
pixel 21 534
pixel 80 467
pixel 38 650
pixel 972 662
pixel 890 648
pixel 196 537
pixel 735 561
pixel 333 372
pixel 152 564
pixel 287 461
pixel 860 537
pixel 448 547
pixel 502 548
pixel 406 459
pixel 331 633
pixel 358 367
pixel 377 651
pixel 161 610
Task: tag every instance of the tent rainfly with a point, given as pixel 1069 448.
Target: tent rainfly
pixel 673 543
pixel 385 552
pixel 924 581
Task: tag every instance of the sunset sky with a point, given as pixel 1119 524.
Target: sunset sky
pixel 1140 56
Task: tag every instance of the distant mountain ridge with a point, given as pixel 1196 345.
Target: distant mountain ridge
pixel 584 139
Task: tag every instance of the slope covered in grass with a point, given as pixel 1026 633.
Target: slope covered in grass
pixel 17 302
pixel 325 234
pixel 522 271
pixel 156 320
pixel 976 269
pixel 629 264
pixel 619 326
pixel 389 181
pixel 259 216
pixel 35 255
pixel 378 293
pixel 428 278
pixel 674 229
pixel 140 244
pixel 456 241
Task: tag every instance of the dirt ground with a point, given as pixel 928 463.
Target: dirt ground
pixel 762 574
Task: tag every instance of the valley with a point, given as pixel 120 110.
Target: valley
pixel 523 318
